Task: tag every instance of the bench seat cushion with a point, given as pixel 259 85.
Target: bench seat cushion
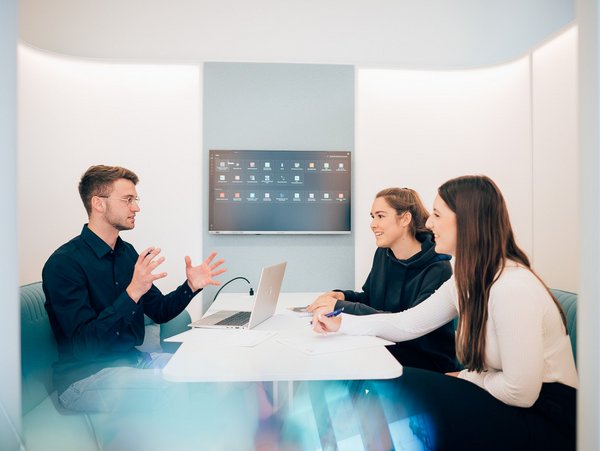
pixel 46 428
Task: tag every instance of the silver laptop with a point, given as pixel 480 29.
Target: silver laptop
pixel 265 302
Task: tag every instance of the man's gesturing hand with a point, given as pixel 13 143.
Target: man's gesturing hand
pixel 202 275
pixel 143 278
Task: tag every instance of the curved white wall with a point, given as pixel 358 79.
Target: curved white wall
pixel 430 125
pixel 401 33
pixel 516 123
pixel 418 129
pixel 75 113
pixel 556 191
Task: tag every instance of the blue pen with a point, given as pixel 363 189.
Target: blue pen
pixel 334 313
pixel 330 314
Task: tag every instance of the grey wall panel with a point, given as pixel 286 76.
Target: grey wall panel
pixel 283 107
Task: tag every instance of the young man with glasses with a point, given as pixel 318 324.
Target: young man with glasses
pixel 98 289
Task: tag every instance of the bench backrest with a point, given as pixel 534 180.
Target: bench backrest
pixel 38 347
pixel 568 301
pixel 39 350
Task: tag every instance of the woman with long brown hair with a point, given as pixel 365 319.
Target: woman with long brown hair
pixel 518 388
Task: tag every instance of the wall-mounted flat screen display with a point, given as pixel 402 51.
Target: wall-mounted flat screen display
pixel 279 191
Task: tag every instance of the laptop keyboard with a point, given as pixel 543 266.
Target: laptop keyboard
pixel 237 319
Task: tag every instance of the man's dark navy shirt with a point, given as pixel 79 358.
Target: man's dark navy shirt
pixel 95 322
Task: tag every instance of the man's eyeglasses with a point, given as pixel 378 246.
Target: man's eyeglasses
pixel 129 200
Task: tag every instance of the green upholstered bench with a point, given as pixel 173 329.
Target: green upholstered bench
pixel 46 425
pixel 568 301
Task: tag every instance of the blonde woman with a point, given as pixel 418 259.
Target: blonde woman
pixel 406 270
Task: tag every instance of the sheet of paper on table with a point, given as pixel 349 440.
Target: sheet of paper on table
pixel 322 344
pixel 223 337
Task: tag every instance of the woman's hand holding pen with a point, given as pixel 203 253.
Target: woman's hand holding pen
pixel 323 324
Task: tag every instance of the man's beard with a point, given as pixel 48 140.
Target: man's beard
pixel 120 226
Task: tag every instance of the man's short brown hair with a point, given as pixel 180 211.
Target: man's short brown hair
pixel 98 180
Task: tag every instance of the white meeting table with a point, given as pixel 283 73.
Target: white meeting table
pixel 271 360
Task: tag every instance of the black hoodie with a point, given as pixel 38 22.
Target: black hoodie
pixel 395 285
